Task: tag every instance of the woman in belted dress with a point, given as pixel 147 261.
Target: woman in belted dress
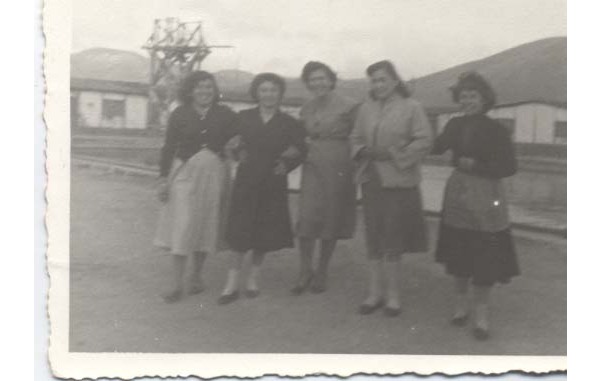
pixel 327 192
pixel 272 144
pixel 194 179
pixel 475 242
pixel 391 137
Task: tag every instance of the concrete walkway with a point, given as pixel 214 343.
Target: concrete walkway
pixel 116 278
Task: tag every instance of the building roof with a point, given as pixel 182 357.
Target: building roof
pixel 121 87
pixel 456 108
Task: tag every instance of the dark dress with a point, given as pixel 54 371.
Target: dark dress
pixel 475 239
pixel 259 217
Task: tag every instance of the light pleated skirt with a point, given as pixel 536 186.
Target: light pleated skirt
pixel 192 219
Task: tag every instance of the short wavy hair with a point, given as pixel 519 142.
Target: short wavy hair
pixel 313 66
pixel 266 77
pixel 471 80
pixel 189 83
pixel 389 68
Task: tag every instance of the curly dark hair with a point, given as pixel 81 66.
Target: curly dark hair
pixel 266 77
pixel 471 80
pixel 389 68
pixel 189 83
pixel 313 66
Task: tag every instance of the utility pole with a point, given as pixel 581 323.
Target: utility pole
pixel 176 49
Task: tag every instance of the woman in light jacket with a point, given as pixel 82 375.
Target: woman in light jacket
pixel 391 137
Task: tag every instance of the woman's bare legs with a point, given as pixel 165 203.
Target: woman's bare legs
pixel 320 282
pixel 177 280
pixel 196 284
pixel 375 269
pixel 307 248
pixel 392 278
pixel 252 281
pixel 481 298
pixel 233 275
pixel 461 303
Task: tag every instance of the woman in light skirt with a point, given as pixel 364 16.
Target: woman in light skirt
pixel 194 177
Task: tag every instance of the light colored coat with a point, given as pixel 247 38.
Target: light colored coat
pixel 398 126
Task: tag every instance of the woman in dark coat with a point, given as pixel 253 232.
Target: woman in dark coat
pixel 475 242
pixel 194 179
pixel 271 145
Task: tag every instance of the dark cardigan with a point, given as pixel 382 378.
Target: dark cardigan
pixel 482 139
pixel 187 133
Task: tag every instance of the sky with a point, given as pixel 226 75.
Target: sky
pixel 419 36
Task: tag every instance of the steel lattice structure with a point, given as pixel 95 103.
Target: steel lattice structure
pixel 176 48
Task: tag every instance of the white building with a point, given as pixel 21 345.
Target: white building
pixel 537 122
pixel 97 103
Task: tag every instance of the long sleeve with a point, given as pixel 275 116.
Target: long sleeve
pixel 445 140
pixel 500 161
pixel 227 128
pixel 357 137
pixel 169 148
pixel 298 141
pixel 420 144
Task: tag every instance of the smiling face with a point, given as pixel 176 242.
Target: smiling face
pixel 268 94
pixel 319 83
pixel 204 93
pixel 383 85
pixel 471 101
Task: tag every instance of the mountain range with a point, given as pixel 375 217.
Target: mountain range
pixel 532 71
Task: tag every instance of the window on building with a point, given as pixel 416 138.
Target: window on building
pixel 509 123
pixel 112 108
pixel 113 113
pixel 560 132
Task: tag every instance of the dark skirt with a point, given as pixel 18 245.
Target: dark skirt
pixel 259 217
pixel 394 220
pixel 485 257
pixel 475 239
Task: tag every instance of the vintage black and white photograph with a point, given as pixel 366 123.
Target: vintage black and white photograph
pixel 323 177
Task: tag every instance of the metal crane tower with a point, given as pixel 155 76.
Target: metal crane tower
pixel 176 48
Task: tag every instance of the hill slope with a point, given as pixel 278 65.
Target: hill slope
pixel 110 65
pixel 532 71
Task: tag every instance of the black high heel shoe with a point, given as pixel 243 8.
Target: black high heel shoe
pixel 481 334
pixel 459 320
pixel 392 311
pixel 228 298
pixel 302 286
pixel 367 309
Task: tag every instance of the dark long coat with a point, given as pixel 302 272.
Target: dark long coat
pixel 259 217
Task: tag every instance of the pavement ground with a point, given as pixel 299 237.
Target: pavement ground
pixel 117 278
